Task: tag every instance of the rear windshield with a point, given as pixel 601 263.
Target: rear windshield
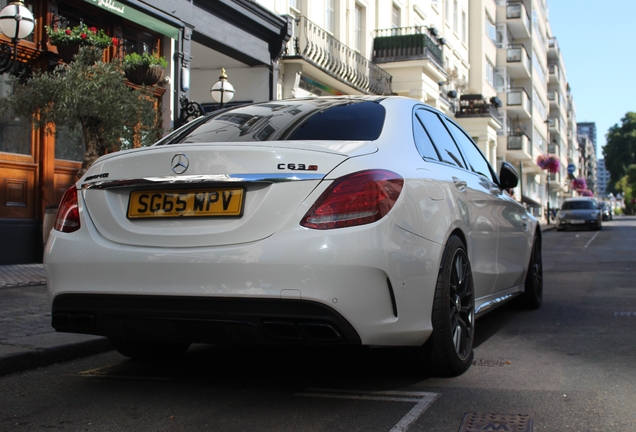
pixel 579 205
pixel 307 120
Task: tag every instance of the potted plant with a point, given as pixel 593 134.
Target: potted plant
pixel 144 69
pixel 68 40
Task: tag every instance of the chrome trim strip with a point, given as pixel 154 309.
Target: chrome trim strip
pixel 202 179
pixel 486 303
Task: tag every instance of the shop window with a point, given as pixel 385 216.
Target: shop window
pixel 134 38
pixel 69 144
pixel 139 41
pixel 15 133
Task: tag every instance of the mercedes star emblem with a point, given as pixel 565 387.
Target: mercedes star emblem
pixel 179 163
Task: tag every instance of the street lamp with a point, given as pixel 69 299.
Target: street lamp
pixel 222 91
pixel 16 22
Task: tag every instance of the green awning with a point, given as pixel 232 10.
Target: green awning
pixel 138 17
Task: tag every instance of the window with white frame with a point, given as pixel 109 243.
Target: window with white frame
pixel 294 5
pixel 490 73
pixel 491 29
pixel 330 16
pixel 464 28
pixel 359 28
pixel 455 17
pixel 447 6
pixel 396 17
pixel 502 80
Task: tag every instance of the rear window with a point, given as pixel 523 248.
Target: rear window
pixel 307 120
pixel 579 205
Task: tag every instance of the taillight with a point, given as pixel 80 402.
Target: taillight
pixel 67 219
pixel 356 199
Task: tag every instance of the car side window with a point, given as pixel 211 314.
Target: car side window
pixel 473 156
pixel 423 141
pixel 441 138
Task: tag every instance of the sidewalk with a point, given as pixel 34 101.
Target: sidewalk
pixel 27 339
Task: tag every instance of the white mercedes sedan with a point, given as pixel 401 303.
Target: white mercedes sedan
pixel 372 221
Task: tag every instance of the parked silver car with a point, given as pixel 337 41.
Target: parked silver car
pixel 583 212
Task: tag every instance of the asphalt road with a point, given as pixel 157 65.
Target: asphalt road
pixel 569 366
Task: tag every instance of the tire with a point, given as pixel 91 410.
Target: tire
pixel 149 350
pixel 532 296
pixel 449 349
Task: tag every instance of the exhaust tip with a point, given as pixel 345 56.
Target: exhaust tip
pixel 320 332
pixel 282 330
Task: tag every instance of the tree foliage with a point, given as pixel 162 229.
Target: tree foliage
pixel 91 95
pixel 620 148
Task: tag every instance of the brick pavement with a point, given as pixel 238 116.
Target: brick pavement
pixel 27 339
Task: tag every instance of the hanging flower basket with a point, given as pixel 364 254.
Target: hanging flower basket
pixel 549 163
pixel 69 40
pixel 144 69
pixel 579 184
pixel 67 51
pixel 144 75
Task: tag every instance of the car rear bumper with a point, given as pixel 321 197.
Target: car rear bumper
pixel 202 320
pixel 358 290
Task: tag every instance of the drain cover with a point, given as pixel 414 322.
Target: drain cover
pixel 490 363
pixel 475 422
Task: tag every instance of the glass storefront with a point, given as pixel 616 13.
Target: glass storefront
pixel 15 133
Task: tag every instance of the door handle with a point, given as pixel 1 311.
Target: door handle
pixel 459 184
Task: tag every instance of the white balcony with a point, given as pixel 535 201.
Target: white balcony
pixel 518 21
pixel 517 103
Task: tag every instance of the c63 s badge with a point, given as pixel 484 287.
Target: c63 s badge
pixel 298 167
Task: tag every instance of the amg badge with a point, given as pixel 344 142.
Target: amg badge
pixel 298 167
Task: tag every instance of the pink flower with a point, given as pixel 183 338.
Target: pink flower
pixel 115 41
pixel 83 35
pixel 93 30
pixel 68 31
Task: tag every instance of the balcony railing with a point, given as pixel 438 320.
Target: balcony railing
pixel 475 105
pixel 318 47
pixel 520 141
pixel 517 10
pixel 518 54
pixel 407 43
pixel 519 97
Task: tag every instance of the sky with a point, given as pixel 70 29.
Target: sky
pixel 597 39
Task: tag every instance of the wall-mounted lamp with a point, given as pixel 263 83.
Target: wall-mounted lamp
pixel 222 91
pixel 16 22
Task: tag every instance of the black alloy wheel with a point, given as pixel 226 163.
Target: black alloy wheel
pixel 449 349
pixel 532 296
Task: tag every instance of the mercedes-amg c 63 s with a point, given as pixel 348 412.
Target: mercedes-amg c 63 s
pixel 372 221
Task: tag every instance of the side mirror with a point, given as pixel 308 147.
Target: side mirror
pixel 508 177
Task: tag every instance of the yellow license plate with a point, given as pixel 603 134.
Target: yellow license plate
pixel 186 203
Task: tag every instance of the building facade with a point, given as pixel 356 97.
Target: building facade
pixel 602 179
pixel 586 131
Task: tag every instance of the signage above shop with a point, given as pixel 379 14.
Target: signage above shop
pixel 134 15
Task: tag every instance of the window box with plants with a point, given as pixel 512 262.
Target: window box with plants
pixel 69 40
pixel 144 69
